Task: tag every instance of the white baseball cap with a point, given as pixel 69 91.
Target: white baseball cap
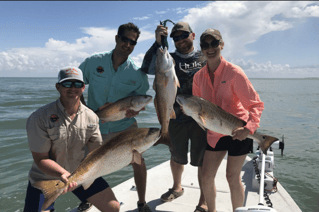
pixel 69 73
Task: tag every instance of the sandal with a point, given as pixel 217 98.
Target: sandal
pixel 200 209
pixel 171 195
pixel 84 206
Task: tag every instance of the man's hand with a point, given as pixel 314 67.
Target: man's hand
pixel 160 30
pixel 240 133
pixel 132 113
pixel 72 185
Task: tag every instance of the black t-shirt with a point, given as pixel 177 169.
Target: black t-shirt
pixel 186 66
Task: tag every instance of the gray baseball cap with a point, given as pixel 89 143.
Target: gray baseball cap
pixel 69 73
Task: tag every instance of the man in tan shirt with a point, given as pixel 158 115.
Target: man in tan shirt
pixel 58 134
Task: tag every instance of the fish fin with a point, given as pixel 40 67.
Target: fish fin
pixel 164 140
pixel 87 184
pixel 200 124
pixel 202 127
pixel 51 189
pixel 265 141
pixel 173 115
pixel 203 120
pixel 177 82
pixel 137 158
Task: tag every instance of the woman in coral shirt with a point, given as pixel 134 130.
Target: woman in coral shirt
pixel 227 86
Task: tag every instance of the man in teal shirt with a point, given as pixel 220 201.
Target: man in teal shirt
pixel 112 76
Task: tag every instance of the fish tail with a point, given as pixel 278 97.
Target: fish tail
pixel 265 141
pixel 51 189
pixel 164 140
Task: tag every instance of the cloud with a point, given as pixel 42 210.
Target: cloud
pixel 56 54
pixel 241 23
pixel 47 61
pixel 269 70
pixel 161 12
pixel 141 18
pixel 181 10
pixel 138 59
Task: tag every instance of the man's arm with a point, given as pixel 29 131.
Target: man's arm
pixel 50 167
pixel 47 165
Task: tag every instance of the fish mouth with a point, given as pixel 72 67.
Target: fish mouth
pixel 181 98
pixel 160 50
pixel 178 100
pixel 152 131
pixel 148 99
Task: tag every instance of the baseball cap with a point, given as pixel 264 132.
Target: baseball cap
pixel 212 32
pixel 69 73
pixel 181 26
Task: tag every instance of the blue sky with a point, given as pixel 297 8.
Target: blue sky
pixel 266 38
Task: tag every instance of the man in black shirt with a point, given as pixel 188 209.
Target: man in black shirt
pixel 182 129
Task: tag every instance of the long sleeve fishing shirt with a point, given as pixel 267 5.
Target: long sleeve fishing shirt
pixel 233 92
pixel 50 129
pixel 108 85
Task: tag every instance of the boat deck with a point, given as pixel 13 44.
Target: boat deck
pixel 159 179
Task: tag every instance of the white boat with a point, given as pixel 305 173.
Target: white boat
pixel 159 180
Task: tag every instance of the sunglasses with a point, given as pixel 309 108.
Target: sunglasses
pixel 213 44
pixel 68 84
pixel 181 37
pixel 126 40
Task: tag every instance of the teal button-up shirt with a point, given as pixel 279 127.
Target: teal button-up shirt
pixel 108 85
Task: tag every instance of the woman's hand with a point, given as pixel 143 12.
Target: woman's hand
pixel 240 133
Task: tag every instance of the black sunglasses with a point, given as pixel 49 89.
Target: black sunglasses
pixel 213 44
pixel 68 84
pixel 125 40
pixel 181 37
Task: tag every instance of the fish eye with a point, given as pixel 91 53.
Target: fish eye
pixel 264 137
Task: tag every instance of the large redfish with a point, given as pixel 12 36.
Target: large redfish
pixel 210 116
pixel 119 152
pixel 165 85
pixel 116 111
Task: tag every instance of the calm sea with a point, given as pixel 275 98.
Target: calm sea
pixel 291 109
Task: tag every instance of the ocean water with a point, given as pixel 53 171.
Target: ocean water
pixel 291 109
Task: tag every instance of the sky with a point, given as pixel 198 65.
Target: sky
pixel 268 39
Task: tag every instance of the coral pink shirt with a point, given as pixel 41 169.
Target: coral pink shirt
pixel 233 92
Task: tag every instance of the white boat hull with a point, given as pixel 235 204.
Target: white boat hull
pixel 159 180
